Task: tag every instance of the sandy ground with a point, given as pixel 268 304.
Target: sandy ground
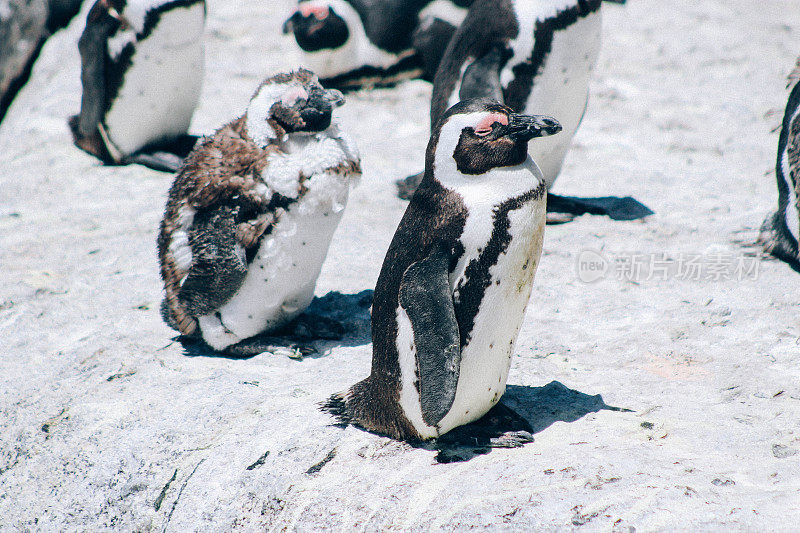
pixel 107 423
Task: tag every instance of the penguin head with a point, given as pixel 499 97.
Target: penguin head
pixel 317 25
pixel 477 135
pixel 290 104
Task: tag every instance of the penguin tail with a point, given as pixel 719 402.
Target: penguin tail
pixel 774 240
pixel 166 315
pixel 336 406
pixel 371 405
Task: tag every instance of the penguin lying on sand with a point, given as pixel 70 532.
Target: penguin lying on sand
pixel 142 71
pixel 456 280
pixel 251 214
pixel 354 44
pixel 537 56
pixel 780 232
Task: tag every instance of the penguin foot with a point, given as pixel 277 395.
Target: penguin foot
pixel 161 161
pixel 91 144
pixel 511 439
pixel 407 186
pixel 333 317
pixel 554 219
pixel 501 427
pixel 614 207
pixel 274 345
pixel 165 156
pixel 295 340
pixel 195 346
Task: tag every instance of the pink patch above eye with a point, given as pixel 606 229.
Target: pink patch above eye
pixel 484 127
pixel 308 9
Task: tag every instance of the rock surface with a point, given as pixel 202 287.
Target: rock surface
pixel 106 423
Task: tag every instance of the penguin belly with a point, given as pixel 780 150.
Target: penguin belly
pixel 561 89
pixel 161 87
pixel 486 358
pixel 280 279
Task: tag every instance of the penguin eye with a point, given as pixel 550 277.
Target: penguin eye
pixel 484 131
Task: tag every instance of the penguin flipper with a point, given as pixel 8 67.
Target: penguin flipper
pixel 93 48
pixel 426 297
pixel 219 263
pixel 481 78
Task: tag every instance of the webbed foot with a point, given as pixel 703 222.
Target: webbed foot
pixel 266 344
pixel 501 427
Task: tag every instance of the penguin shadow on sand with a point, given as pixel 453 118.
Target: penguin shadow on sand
pixel 523 412
pixel 332 320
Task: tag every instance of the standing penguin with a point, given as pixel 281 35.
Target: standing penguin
pixel 141 71
pixel 536 56
pixel 251 214
pixel 456 280
pixel 353 44
pixel 780 232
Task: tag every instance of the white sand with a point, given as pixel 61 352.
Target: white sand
pixel 105 423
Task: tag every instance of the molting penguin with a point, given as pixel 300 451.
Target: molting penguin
pixel 456 280
pixel 537 56
pixel 142 71
pixel 353 44
pixel 780 232
pixel 251 214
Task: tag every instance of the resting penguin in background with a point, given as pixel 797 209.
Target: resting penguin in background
pixel 354 44
pixel 780 232
pixel 537 56
pixel 251 214
pixel 142 71
pixel 456 280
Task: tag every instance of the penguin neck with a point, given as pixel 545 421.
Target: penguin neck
pixel 490 188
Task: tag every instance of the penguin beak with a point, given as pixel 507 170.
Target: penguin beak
pixel 288 26
pixel 523 128
pixel 336 98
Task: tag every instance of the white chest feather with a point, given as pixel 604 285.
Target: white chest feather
pixel 486 358
pixel 161 87
pixel 281 278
